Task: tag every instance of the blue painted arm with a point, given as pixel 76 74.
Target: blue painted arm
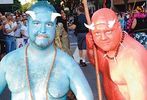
pixel 2 76
pixel 78 83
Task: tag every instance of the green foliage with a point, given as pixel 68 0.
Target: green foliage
pixel 25 7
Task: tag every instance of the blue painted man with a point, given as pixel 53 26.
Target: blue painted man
pixel 40 71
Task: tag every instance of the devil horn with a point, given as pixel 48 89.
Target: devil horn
pixel 91 26
pixel 111 23
pixel 54 15
pixel 32 14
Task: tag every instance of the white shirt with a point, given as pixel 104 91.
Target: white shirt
pixel 9 27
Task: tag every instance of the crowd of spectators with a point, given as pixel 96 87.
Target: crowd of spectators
pixel 134 23
pixel 13 28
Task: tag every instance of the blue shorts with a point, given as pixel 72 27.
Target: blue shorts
pixel 81 40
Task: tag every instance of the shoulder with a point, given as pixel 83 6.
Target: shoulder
pixel 135 56
pixel 65 60
pixel 63 56
pixel 12 58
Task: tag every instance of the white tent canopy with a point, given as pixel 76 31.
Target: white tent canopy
pixel 6 1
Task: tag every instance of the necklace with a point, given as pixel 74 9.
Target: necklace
pixel 116 53
pixel 27 72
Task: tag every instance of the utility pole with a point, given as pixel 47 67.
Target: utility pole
pixel 112 4
pixel 146 5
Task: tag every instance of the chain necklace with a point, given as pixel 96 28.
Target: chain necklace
pixel 27 72
pixel 116 53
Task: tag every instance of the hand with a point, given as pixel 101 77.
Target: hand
pixel 89 41
pixel 84 2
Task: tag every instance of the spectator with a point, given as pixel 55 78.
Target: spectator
pixel 138 26
pixel 9 29
pixel 81 31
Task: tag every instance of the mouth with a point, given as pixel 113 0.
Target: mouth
pixel 42 36
pixel 106 42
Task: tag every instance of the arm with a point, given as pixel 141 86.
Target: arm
pixel 78 83
pixel 23 33
pixel 73 26
pixel 2 77
pixel 1 27
pixel 134 23
pixel 7 30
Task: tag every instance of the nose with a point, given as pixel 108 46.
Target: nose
pixel 103 36
pixel 43 28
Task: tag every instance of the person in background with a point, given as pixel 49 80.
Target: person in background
pixel 138 26
pixel 2 37
pixel 81 32
pixel 1 27
pixel 61 39
pixel 23 39
pixel 121 20
pixel 9 30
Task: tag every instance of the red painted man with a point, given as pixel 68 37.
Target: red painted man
pixel 122 60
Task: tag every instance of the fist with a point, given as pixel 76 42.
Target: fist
pixel 84 1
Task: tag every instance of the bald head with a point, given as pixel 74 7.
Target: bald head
pixel 105 17
pixel 104 14
pixel 42 7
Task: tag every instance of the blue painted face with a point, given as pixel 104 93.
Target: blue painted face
pixel 42 29
pixel 42 24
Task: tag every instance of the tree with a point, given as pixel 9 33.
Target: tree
pixel 71 4
pixel 25 7
pixel 16 5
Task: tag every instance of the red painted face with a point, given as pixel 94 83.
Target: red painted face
pixel 107 31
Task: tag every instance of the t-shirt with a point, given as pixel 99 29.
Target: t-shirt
pixel 24 28
pixel 79 22
pixel 9 27
pixel 17 32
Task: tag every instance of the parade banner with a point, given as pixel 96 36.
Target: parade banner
pixel 6 2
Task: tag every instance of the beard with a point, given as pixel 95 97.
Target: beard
pixel 43 43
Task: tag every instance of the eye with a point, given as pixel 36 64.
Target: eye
pixel 49 24
pixel 108 32
pixel 97 34
pixel 36 23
